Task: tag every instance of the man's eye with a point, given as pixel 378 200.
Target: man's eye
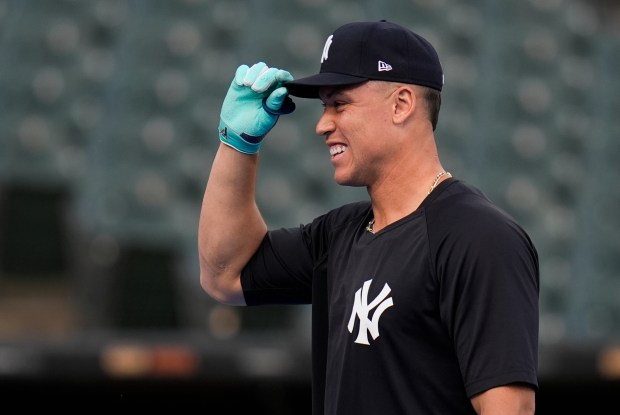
pixel 332 104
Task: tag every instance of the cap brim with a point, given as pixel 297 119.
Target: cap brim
pixel 309 87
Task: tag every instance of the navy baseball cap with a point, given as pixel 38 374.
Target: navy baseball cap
pixel 361 51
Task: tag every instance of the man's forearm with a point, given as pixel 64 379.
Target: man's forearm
pixel 231 227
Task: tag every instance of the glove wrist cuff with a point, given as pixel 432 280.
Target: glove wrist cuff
pixel 241 142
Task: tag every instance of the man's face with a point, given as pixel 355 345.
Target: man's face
pixel 355 124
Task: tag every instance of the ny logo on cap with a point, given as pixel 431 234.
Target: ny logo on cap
pixel 328 43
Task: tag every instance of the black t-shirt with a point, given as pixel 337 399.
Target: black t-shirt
pixel 417 318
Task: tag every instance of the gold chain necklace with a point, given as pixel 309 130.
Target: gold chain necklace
pixel 371 224
pixel 439 176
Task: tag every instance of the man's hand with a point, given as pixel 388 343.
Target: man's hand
pixel 255 100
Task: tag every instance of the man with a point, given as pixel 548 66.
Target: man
pixel 425 298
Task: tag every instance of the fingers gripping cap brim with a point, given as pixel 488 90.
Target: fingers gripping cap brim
pixel 309 87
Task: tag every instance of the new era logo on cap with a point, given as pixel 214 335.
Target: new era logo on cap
pixel 382 66
pixel 361 51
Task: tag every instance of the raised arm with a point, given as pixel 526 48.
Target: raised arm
pixel 231 226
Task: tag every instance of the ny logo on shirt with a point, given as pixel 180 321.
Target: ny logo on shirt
pixel 361 309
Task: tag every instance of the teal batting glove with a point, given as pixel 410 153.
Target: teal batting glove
pixel 253 104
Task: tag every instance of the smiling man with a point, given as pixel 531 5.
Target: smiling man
pixel 425 296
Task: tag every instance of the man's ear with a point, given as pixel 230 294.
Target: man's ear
pixel 405 102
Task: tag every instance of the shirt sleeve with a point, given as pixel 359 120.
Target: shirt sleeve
pixel 280 272
pixel 290 261
pixel 488 270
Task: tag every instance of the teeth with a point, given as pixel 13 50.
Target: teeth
pixel 337 150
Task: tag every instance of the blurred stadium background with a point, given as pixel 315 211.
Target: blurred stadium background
pixel 108 118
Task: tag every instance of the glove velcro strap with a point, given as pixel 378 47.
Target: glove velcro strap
pixel 242 142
